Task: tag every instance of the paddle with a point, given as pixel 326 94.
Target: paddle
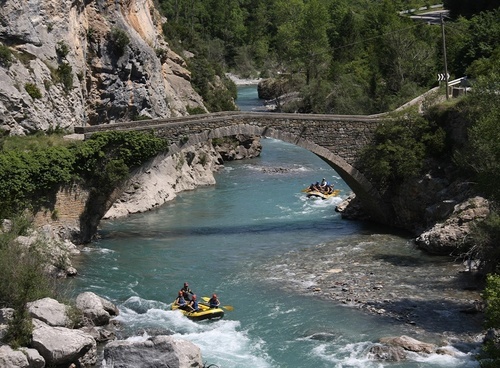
pixel 227 307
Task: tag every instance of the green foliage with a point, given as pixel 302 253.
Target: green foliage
pixel 64 75
pixel 486 236
pixel 400 148
pixel 481 156
pixel 106 158
pixel 5 55
pixel 26 177
pixel 22 280
pixel 491 295
pixel 195 110
pixel 33 90
pixel 119 40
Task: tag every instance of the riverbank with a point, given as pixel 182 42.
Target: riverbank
pixel 434 298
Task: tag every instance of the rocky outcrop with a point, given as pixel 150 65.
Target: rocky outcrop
pixel 73 63
pixel 158 351
pixel 158 182
pixel 238 147
pixel 447 237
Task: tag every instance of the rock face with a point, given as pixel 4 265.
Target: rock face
pixel 158 351
pixel 444 238
pixel 158 182
pixel 79 62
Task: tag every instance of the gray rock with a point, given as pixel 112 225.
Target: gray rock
pixel 444 238
pixel 49 311
pixel 158 352
pixel 34 358
pixel 10 358
pixel 60 345
pixel 409 344
pixel 96 309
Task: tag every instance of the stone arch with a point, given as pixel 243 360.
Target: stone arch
pixel 359 184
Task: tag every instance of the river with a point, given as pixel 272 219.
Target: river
pixel 261 245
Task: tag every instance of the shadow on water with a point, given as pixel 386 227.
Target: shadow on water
pixel 326 224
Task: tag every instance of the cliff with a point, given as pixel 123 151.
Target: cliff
pixel 72 63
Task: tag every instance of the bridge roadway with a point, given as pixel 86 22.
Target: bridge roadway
pixel 337 139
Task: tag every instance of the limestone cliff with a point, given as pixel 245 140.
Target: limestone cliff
pixel 84 62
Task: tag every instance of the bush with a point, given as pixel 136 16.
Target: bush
pixel 120 40
pixel 5 56
pixel 64 75
pixel 22 280
pixel 33 90
pixel 400 147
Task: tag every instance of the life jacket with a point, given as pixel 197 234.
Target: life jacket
pixel 194 305
pixel 214 303
pixel 181 301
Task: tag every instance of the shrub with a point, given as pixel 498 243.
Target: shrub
pixel 400 147
pixel 22 280
pixel 5 56
pixel 33 90
pixel 195 110
pixel 64 75
pixel 120 40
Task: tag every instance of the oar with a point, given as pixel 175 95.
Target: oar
pixel 227 307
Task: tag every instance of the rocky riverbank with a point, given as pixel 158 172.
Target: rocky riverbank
pixel 436 299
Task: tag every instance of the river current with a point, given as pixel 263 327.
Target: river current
pixel 248 239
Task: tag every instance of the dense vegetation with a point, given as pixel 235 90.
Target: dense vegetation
pixel 341 56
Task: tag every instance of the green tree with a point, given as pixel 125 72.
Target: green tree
pixel 314 52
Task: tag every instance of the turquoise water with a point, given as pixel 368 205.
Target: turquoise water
pixel 229 239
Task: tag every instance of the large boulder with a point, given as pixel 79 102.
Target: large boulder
pixel 49 311
pixel 60 345
pixel 446 237
pixel 95 309
pixel 159 352
pixel 397 348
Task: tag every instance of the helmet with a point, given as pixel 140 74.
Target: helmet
pixel 194 297
pixel 214 296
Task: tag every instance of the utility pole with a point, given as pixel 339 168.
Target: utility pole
pixel 444 56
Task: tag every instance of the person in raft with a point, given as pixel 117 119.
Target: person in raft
pixel 186 291
pixel 193 304
pixel 214 302
pixel 180 301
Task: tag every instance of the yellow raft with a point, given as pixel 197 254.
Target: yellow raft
pixel 204 312
pixel 316 193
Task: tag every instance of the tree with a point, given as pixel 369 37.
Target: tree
pixel 313 49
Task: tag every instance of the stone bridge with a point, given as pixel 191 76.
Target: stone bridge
pixel 337 139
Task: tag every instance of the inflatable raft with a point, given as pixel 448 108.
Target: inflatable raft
pixel 204 312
